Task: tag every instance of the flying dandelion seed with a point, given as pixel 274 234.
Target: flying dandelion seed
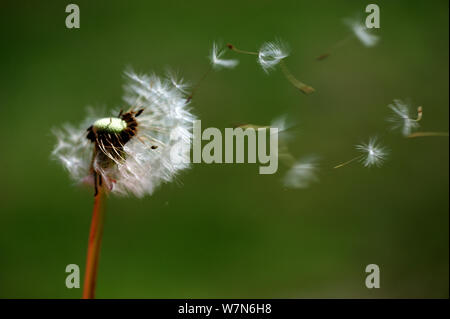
pixel 217 61
pixel 284 135
pixel 281 123
pixel 401 117
pixel 302 174
pixel 271 53
pixel 284 125
pixel 374 154
pixel 177 81
pixel 132 152
pixel 362 33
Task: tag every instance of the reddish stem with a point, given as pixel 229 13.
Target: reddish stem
pixel 95 238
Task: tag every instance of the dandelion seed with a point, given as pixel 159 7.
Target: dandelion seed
pixel 373 154
pixel 134 150
pixel 281 123
pixel 362 33
pixel 302 174
pixel 270 54
pixel 177 81
pixel 284 125
pixel 217 62
pixel 284 135
pixel 401 117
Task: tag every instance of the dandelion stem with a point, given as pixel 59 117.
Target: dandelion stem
pixel 348 162
pixel 299 85
pixel 424 134
pixel 198 84
pixel 334 47
pixel 95 238
pixel 233 48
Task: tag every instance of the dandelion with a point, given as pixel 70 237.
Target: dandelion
pixel 302 173
pixel 401 117
pixel 269 56
pixel 374 154
pixel 129 153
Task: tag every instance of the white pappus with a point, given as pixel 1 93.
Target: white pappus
pixel 131 152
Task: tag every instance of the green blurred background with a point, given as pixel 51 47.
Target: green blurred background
pixel 224 230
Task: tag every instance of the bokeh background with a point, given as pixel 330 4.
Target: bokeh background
pixel 222 230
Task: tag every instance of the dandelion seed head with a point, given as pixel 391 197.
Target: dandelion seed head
pixel 363 33
pixel 270 54
pixel 401 117
pixel 374 153
pixel 302 174
pixel 217 61
pixel 138 150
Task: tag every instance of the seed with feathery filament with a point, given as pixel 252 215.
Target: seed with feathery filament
pixel 360 31
pixel 374 154
pixel 269 56
pixel 401 117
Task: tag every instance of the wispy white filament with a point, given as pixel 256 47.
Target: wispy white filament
pixel 217 61
pixel 374 153
pixel 177 81
pixel 270 54
pixel 284 125
pixel 302 173
pixel 401 117
pixel 363 33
